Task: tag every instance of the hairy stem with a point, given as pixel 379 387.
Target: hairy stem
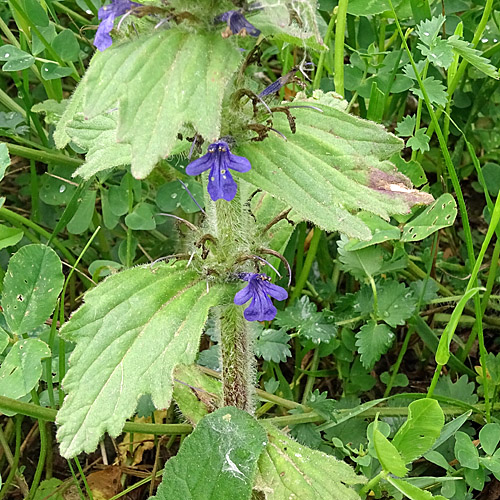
pixel 237 359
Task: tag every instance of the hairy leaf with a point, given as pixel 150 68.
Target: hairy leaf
pixel 372 341
pixel 133 329
pixel 290 470
pixel 142 93
pixel 217 461
pixel 333 165
pixel 31 285
pixel 421 429
pixel 428 30
pixel 396 302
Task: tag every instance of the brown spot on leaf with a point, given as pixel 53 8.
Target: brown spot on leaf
pixel 397 185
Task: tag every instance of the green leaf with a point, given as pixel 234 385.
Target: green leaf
pixel 16 58
pixel 406 126
pixel 320 403
pixel 4 159
pixel 22 367
pixel 133 329
pixel 420 141
pixel 489 436
pixel 401 380
pixel 412 169
pixel 10 236
pixel 195 393
pixel 272 345
pixel 440 214
pixel 49 488
pixel 450 429
pixel 335 163
pixel 465 451
pixel 360 263
pixel 421 429
pixel 372 341
pixel 491 173
pixel 428 30
pixel 388 455
pixel 381 231
pixel 66 45
pixel 36 13
pixel 52 71
pixel 396 302
pixel 288 468
pixel 443 350
pixel 303 28
pixel 368 7
pixel 31 285
pixel 217 461
pixel 4 340
pixel 473 56
pixel 435 91
pixel 142 218
pixel 309 323
pixel 157 84
pixel 83 215
pixel 439 54
pixel 412 492
pixel 462 389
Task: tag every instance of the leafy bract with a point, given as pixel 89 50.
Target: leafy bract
pixel 133 329
pixel 333 165
pixel 217 461
pixel 440 214
pixel 32 283
pixel 290 470
pixel 137 96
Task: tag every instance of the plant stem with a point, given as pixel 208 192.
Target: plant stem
pixel 304 274
pixel 321 60
pixel 338 61
pixel 237 359
pixel 372 483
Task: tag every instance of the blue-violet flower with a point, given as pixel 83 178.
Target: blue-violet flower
pixel 259 289
pixel 219 160
pixel 107 15
pixel 237 23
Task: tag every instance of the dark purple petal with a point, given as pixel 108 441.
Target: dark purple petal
pixel 221 184
pixel 243 296
pixel 260 309
pixel 198 166
pixel 239 163
pixel 275 291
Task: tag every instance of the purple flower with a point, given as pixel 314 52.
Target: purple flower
pixel 237 23
pixel 259 289
pixel 219 160
pixel 107 15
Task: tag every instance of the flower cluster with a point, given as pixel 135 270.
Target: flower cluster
pixel 259 290
pixel 107 15
pixel 219 160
